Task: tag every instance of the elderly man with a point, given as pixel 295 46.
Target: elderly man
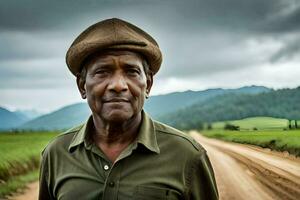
pixel 120 152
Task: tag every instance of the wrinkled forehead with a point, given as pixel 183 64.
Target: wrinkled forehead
pixel 109 55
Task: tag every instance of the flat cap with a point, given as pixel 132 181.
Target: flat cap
pixel 115 34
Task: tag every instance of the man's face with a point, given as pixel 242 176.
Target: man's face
pixel 116 85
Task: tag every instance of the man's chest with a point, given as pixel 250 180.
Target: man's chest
pixel 138 176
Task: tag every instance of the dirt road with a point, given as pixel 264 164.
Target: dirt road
pixel 248 172
pixel 31 193
pixel 242 172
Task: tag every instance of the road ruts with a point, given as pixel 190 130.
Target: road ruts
pixel 248 172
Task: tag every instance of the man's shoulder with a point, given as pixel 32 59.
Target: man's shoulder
pixel 178 137
pixel 63 140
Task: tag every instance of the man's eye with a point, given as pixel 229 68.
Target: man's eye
pixel 102 72
pixel 133 72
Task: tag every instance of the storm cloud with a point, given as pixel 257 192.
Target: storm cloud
pixel 201 40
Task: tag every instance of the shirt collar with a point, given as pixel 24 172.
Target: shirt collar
pixel 81 135
pixel 146 135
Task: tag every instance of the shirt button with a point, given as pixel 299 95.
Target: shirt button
pixel 111 184
pixel 106 167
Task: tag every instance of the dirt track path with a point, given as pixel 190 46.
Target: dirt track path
pixel 248 172
pixel 31 193
pixel 242 172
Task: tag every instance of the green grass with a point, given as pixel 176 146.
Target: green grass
pixel 20 155
pixel 17 183
pixel 279 140
pixel 260 123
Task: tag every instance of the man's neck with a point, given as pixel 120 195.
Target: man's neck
pixel 113 138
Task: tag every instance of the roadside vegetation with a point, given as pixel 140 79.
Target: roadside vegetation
pixel 19 158
pixel 20 151
pixel 266 132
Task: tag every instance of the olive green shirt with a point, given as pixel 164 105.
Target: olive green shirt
pixel 162 163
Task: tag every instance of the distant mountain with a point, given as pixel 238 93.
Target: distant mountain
pixel 63 118
pixel 29 114
pixel 284 103
pixel 161 105
pixel 75 114
pixel 9 120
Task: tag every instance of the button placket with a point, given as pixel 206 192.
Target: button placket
pixel 112 182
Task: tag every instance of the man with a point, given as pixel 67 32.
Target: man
pixel 120 152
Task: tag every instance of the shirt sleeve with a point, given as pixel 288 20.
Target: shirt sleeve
pixel 44 192
pixel 203 184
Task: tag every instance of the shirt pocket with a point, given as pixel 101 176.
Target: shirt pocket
pixel 151 193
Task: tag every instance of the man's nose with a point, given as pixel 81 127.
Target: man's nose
pixel 118 83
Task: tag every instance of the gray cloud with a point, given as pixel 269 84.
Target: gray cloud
pixel 37 15
pixel 226 14
pixel 199 38
pixel 16 45
pixel 34 74
pixel 205 54
pixel 289 51
pixel 284 19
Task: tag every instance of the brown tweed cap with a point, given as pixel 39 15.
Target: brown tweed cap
pixel 113 34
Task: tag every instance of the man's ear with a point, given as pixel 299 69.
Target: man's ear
pixel 149 83
pixel 81 85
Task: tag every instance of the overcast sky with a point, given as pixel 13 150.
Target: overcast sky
pixel 205 44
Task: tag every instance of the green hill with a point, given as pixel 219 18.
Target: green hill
pixel 161 105
pixel 282 103
pixel 63 118
pixel 10 119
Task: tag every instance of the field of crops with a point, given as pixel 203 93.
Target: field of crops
pixel 19 157
pixel 260 123
pixel 266 132
pixel 279 140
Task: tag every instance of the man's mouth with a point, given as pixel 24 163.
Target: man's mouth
pixel 116 100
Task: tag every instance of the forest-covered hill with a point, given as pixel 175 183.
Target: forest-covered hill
pixel 163 104
pixel 284 103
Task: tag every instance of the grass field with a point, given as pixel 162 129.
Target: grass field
pixel 19 157
pixel 279 140
pixel 260 123
pixel 266 132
